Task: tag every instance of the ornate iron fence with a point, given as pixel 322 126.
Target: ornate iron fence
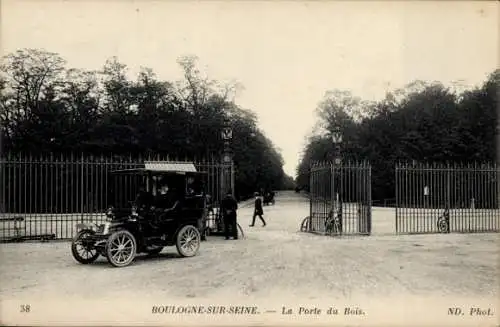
pixel 432 198
pixel 44 197
pixel 340 199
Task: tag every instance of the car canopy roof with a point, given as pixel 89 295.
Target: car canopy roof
pixel 162 168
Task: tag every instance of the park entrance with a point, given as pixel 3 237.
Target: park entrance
pixel 340 199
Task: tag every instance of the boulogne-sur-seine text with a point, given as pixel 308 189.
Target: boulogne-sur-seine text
pixel 199 309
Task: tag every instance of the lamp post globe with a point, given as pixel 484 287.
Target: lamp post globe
pixel 336 136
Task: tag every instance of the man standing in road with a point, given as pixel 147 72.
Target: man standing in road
pixel 229 205
pixel 258 210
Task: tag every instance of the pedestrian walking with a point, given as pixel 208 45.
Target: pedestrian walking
pixel 258 211
pixel 229 206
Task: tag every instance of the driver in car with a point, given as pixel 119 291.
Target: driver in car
pixel 166 201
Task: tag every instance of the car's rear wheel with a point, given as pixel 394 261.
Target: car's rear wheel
pixel 188 241
pixel 121 248
pixel 83 251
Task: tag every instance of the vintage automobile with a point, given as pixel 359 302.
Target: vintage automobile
pixel 269 198
pixel 147 226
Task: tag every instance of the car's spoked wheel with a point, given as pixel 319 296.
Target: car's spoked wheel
pixel 121 248
pixel 82 252
pixel 188 241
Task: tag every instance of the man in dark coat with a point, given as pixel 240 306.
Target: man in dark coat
pixel 229 206
pixel 258 210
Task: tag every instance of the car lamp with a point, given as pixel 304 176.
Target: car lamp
pixel 105 230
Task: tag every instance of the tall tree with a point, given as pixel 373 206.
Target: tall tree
pixel 421 122
pixel 46 107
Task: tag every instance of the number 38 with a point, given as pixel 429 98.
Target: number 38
pixel 25 308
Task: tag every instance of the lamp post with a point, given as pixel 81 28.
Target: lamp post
pixel 227 156
pixel 336 137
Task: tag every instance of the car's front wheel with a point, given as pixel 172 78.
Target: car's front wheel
pixel 188 241
pixel 83 251
pixel 121 248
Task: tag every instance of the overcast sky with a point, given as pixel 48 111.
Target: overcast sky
pixel 286 54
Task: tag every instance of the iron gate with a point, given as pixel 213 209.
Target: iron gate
pixel 44 197
pixel 437 198
pixel 340 199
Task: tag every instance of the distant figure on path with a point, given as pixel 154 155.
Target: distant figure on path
pixel 229 206
pixel 258 211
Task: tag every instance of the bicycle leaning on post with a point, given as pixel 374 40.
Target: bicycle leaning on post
pixel 333 224
pixel 443 222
